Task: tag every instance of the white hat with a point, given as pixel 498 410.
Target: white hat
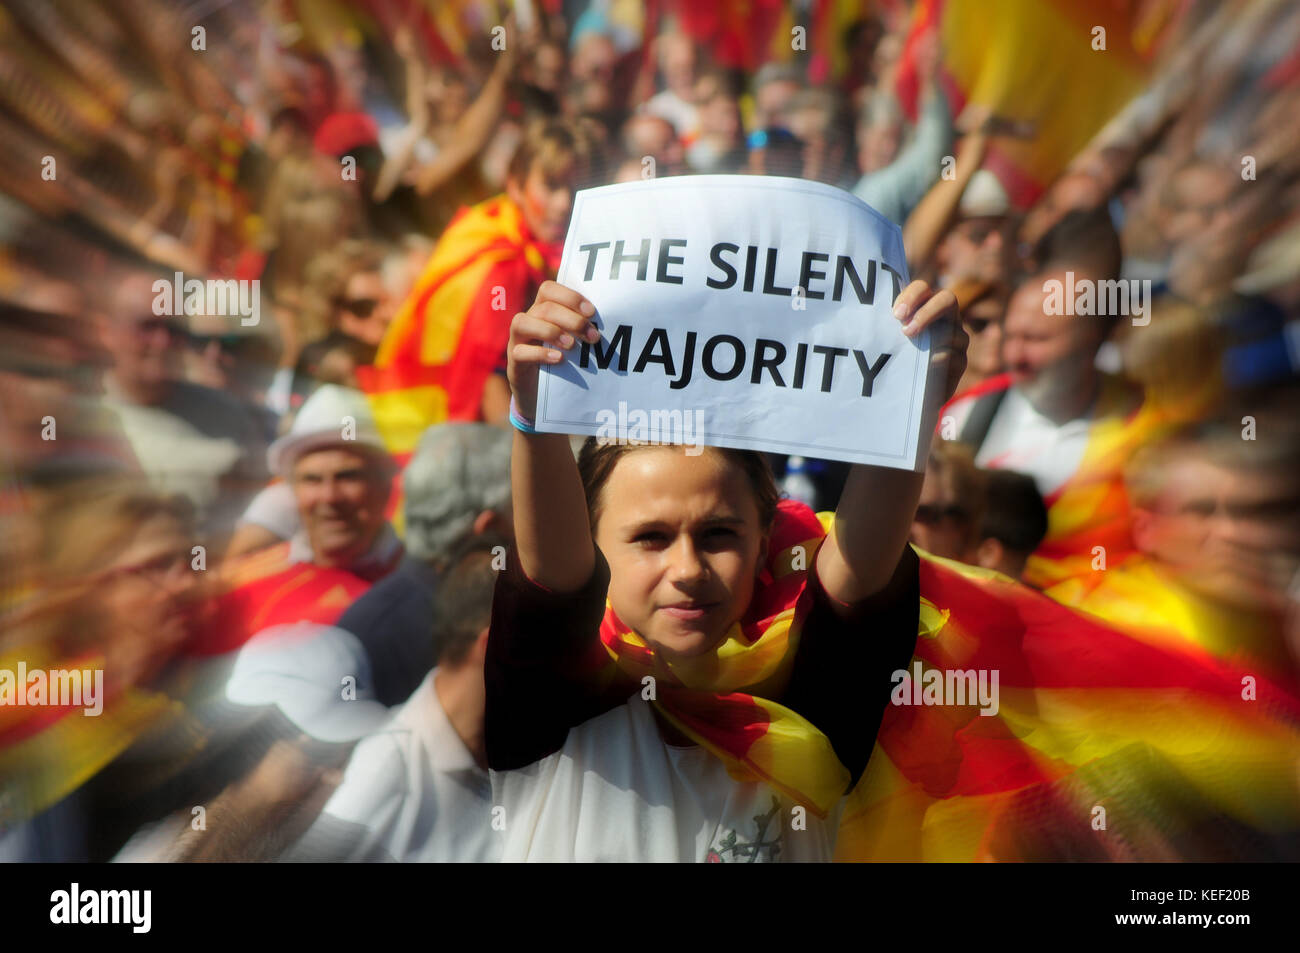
pixel 984 196
pixel 332 416
pixel 317 675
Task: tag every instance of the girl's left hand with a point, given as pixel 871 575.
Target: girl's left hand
pixel 919 307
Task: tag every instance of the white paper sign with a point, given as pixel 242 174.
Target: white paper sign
pixel 741 311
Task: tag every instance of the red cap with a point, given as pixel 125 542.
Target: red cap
pixel 340 133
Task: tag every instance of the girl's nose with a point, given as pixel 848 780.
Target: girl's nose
pixel 686 562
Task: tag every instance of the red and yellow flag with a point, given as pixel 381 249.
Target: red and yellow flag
pixel 49 751
pixel 1066 66
pixel 1088 518
pixel 1102 746
pixel 409 384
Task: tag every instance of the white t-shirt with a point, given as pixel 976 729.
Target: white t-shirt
pixel 617 792
pixel 1020 438
pixel 193 442
pixel 411 792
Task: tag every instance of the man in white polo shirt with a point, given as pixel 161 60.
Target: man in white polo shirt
pixel 417 789
pixel 1040 419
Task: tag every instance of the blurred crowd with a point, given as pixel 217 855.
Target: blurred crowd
pixel 278 547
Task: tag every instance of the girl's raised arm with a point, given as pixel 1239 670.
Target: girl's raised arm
pixel 552 529
pixel 874 517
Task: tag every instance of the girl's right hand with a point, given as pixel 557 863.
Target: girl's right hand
pixel 558 320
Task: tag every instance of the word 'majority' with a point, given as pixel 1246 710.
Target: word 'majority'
pixel 724 357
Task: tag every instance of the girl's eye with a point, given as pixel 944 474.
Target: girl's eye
pixel 720 536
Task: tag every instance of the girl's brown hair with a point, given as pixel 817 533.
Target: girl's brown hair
pixel 596 462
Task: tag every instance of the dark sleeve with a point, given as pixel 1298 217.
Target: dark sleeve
pixel 544 665
pixel 393 621
pixel 842 675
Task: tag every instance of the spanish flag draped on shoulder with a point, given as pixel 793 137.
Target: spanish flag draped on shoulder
pixel 451 332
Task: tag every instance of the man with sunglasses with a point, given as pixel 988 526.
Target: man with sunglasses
pixel 187 438
pixel 364 308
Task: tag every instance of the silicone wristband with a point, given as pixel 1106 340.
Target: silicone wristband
pixel 519 421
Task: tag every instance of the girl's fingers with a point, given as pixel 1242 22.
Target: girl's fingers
pixel 528 328
pixel 909 299
pixel 535 354
pixel 566 318
pixel 566 297
pixel 919 305
pixel 940 306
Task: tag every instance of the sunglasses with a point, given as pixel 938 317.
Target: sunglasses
pixel 152 324
pixel 200 342
pixel 928 514
pixel 361 307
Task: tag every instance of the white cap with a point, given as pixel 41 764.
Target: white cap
pixel 317 675
pixel 984 196
pixel 332 416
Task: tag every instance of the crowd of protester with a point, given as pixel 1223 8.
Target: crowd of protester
pixel 290 600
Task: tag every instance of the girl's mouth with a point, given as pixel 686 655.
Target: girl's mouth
pixel 689 611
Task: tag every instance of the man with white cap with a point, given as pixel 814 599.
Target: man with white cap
pixel 296 700
pixel 417 787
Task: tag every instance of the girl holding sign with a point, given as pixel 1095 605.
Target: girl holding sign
pixel 680 665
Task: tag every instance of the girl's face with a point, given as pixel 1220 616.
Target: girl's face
pixel 682 538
